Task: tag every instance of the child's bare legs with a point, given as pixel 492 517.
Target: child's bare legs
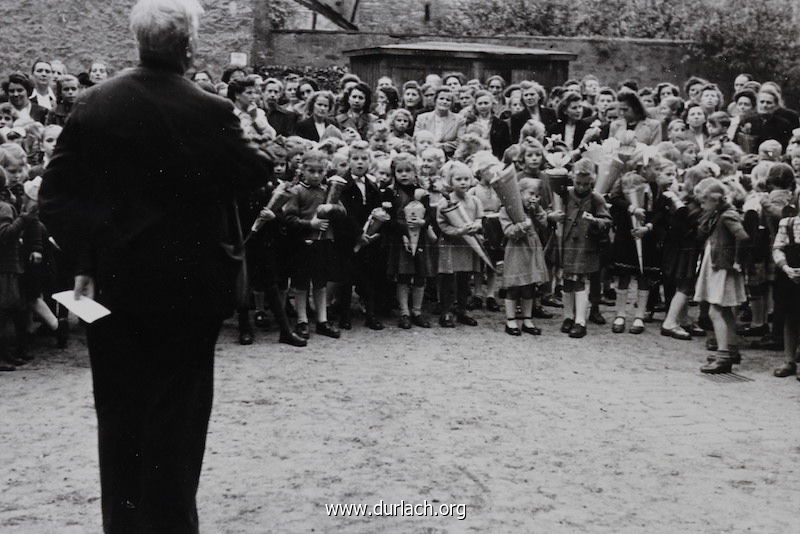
pixel 721 326
pixel 677 313
pixel 40 308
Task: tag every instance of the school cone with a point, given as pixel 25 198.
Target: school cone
pixel 608 170
pixel 331 207
pixel 506 187
pixel 635 189
pixel 557 184
pixel 456 217
pixel 415 213
pixel 279 198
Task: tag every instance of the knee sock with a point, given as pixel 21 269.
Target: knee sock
pixel 417 295
pixel 581 306
pixel 491 284
pixel 321 303
pixel 641 302
pixel 511 312
pixel 527 311
pixel 402 298
pixel 301 304
pixel 258 299
pixel 758 305
pixel 622 302
pixel 569 304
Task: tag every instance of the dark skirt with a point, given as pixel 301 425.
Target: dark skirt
pixel 493 238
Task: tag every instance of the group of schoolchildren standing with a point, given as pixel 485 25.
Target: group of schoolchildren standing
pixel 513 200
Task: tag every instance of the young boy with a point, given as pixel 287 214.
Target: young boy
pixel 315 252
pixel 359 197
pixel 585 217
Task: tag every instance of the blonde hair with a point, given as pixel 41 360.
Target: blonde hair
pixel 453 167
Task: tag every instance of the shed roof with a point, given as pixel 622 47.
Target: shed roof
pixel 457 49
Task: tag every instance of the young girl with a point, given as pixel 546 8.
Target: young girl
pixel 680 252
pixel 410 261
pixel 401 124
pixel 523 261
pixel 720 282
pixel 315 253
pixel 493 233
pixel 632 200
pixel 457 261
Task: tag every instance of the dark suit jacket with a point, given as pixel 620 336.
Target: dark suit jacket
pixel 518 120
pixel 580 129
pixel 357 209
pixel 306 129
pixel 141 188
pixel 283 120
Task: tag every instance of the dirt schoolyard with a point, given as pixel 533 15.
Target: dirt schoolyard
pixel 610 433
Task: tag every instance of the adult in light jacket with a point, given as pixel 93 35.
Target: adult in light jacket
pixel 447 127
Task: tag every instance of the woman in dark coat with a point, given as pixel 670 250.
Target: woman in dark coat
pixel 318 110
pixel 533 97
pixel 571 126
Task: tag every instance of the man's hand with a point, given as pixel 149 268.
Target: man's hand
pixel 36 258
pixel 84 286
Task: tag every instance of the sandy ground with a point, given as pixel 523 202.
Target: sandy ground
pixel 612 433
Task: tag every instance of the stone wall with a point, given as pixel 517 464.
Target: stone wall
pixel 78 31
pixel 648 61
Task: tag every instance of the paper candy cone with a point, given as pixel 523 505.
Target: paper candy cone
pixel 505 185
pixel 414 212
pixel 608 170
pixel 455 216
pixel 637 199
pixel 280 196
pixel 335 186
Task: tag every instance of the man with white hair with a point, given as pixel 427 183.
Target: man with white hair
pixel 140 193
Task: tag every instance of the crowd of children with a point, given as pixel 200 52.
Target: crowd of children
pixel 452 195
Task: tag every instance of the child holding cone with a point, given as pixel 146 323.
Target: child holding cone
pixel 585 220
pixel 460 221
pixel 634 249
pixel 307 215
pixel 483 165
pixel 410 239
pixel 523 262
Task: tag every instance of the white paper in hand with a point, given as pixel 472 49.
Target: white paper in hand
pixel 85 308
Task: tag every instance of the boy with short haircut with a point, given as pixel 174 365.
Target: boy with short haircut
pixel 360 267
pixel 315 253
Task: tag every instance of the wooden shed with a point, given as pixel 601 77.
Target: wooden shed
pixel 412 61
